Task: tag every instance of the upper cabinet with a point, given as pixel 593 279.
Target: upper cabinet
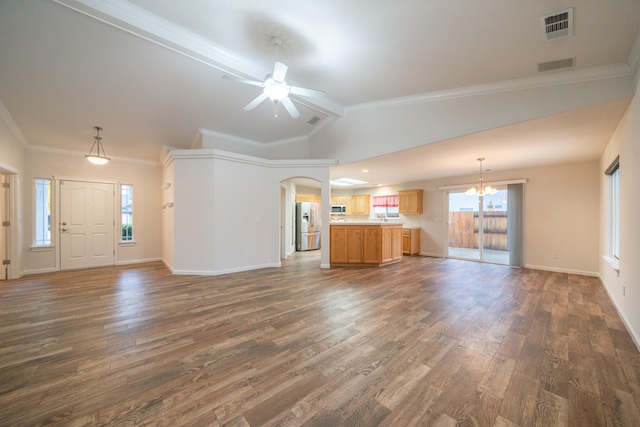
pixel 410 201
pixel 313 198
pixel 360 204
pixel 356 205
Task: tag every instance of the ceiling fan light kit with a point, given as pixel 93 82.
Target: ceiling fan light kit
pixel 275 88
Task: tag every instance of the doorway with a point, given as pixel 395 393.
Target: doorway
pixel 86 224
pixel 479 226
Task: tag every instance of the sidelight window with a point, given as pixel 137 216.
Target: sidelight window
pixel 42 209
pixel 126 208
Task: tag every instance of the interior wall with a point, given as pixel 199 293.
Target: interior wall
pixel 12 162
pixel 561 215
pixel 624 289
pixel 373 130
pixel 146 181
pixel 227 209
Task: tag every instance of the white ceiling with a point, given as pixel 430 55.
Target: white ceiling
pixel 149 71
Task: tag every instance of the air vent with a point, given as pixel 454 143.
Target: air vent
pixel 556 65
pixel 314 120
pixel 557 25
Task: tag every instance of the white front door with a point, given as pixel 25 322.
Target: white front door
pixel 86 224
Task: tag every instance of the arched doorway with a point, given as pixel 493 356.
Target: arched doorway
pixel 297 195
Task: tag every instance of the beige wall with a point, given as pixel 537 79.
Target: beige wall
pixel 624 289
pixel 146 181
pixel 561 215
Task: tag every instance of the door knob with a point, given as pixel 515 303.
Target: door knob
pixel 64 229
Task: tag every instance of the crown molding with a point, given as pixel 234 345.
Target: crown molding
pixel 554 79
pixel 212 153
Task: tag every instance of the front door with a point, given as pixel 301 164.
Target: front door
pixel 86 224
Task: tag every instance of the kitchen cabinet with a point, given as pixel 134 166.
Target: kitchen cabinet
pixel 360 204
pixel 410 241
pixel 342 200
pixel 410 202
pixel 365 244
pixel 313 198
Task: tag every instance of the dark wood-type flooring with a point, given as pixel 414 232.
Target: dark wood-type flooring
pixel 426 341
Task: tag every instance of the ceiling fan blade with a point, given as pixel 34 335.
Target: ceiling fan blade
pixel 279 71
pixel 241 80
pixel 291 109
pixel 253 104
pixel 312 93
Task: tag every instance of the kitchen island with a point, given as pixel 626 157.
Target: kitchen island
pixel 365 243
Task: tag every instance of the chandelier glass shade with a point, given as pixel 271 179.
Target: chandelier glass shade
pixel 481 189
pixel 99 157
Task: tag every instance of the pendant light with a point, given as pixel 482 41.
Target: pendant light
pixel 100 157
pixel 481 189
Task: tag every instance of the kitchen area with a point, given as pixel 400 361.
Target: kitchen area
pixel 364 230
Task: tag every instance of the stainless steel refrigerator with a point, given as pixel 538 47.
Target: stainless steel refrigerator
pixel 307 226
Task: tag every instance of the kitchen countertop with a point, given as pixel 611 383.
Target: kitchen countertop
pixel 367 223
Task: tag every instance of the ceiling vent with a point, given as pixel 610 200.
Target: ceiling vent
pixel 556 65
pixel 557 25
pixel 314 120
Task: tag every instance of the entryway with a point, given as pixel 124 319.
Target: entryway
pixel 86 224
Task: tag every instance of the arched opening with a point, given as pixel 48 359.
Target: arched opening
pixel 301 219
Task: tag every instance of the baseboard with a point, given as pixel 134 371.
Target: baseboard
pixel 138 261
pixel 227 271
pixel 634 336
pixel 433 255
pixel 39 271
pixel 562 270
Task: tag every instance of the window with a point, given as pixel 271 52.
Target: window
pixel 126 207
pixel 615 214
pixel 613 172
pixel 42 212
pixel 386 207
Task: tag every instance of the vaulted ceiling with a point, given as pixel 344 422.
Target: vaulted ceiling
pixel 150 71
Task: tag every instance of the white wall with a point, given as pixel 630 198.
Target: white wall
pixel 12 161
pixel 373 130
pixel 625 143
pixel 146 181
pixel 227 213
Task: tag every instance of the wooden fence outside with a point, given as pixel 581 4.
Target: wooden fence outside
pixel 463 230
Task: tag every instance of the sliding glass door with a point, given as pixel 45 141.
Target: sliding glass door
pixel 478 226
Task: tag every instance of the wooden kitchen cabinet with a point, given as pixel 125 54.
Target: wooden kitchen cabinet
pixel 313 198
pixel 360 204
pixel 365 244
pixel 342 200
pixel 410 241
pixel 338 253
pixel 371 247
pixel 355 244
pixel 410 202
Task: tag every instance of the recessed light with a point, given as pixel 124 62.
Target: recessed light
pixel 365 170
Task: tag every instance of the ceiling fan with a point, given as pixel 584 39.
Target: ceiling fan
pixel 275 88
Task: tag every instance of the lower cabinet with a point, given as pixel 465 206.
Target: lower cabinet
pixel 410 241
pixel 359 244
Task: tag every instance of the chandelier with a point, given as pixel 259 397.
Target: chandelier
pixel 481 189
pixel 100 157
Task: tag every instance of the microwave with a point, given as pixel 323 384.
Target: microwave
pixel 338 209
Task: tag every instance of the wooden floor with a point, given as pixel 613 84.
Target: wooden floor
pixel 424 342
